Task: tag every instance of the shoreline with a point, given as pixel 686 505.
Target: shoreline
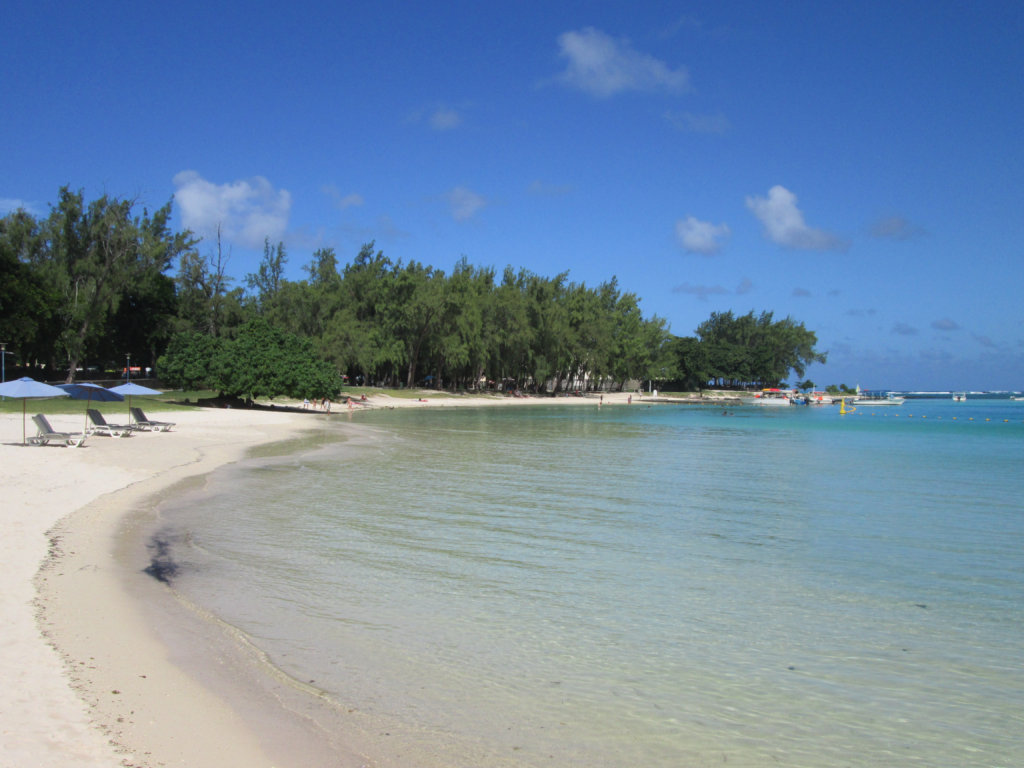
pixel 74 633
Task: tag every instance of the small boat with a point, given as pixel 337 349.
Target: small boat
pixel 1019 399
pixel 772 397
pixel 959 397
pixel 880 399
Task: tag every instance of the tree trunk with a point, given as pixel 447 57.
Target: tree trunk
pixel 76 354
pixel 413 354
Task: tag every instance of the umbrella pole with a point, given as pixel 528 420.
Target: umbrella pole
pixel 88 402
pixel 23 440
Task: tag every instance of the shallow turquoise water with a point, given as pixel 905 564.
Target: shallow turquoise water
pixel 633 585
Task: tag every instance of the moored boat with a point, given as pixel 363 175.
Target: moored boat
pixel 887 398
pixel 772 397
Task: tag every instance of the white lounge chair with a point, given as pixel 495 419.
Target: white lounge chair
pixel 47 434
pixel 141 422
pixel 100 426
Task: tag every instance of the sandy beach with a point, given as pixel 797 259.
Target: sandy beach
pixel 126 704
pixel 89 681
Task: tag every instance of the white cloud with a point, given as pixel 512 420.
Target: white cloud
pixel 12 204
pixel 603 66
pixel 465 203
pixel 445 119
pixel 784 222
pixel 714 124
pixel 248 210
pixel 700 291
pixel 701 237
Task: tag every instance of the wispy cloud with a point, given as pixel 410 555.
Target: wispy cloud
pixel 896 228
pixel 540 189
pixel 716 124
pixel 12 204
pixel 746 286
pixel 784 223
pixel 902 329
pixel 465 203
pixel 445 119
pixel 834 292
pixel 439 117
pixel 859 312
pixel 248 210
pixel 603 66
pixel 683 22
pixel 341 202
pixel 701 237
pixel 801 293
pixel 700 291
pixel 945 324
pixel 985 341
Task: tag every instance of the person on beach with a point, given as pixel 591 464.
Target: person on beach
pixel 350 405
pixel 629 400
pixel 305 404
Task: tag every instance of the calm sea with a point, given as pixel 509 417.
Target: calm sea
pixel 656 586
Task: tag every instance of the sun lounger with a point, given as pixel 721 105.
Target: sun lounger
pixel 47 434
pixel 141 422
pixel 100 426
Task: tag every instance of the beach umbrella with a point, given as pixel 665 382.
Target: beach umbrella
pixel 28 389
pixel 89 392
pixel 129 389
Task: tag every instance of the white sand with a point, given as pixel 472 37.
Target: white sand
pixel 43 720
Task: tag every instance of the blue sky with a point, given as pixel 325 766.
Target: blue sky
pixel 858 166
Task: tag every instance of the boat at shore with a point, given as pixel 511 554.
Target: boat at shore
pixel 773 397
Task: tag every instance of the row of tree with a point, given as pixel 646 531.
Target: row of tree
pixel 89 283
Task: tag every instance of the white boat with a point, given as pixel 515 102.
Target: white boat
pixel 889 399
pixel 772 397
pixel 959 397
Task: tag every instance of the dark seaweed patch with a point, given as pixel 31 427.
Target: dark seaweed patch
pixel 161 564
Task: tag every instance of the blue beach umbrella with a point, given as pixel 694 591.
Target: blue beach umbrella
pixel 90 392
pixel 130 389
pixel 28 389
